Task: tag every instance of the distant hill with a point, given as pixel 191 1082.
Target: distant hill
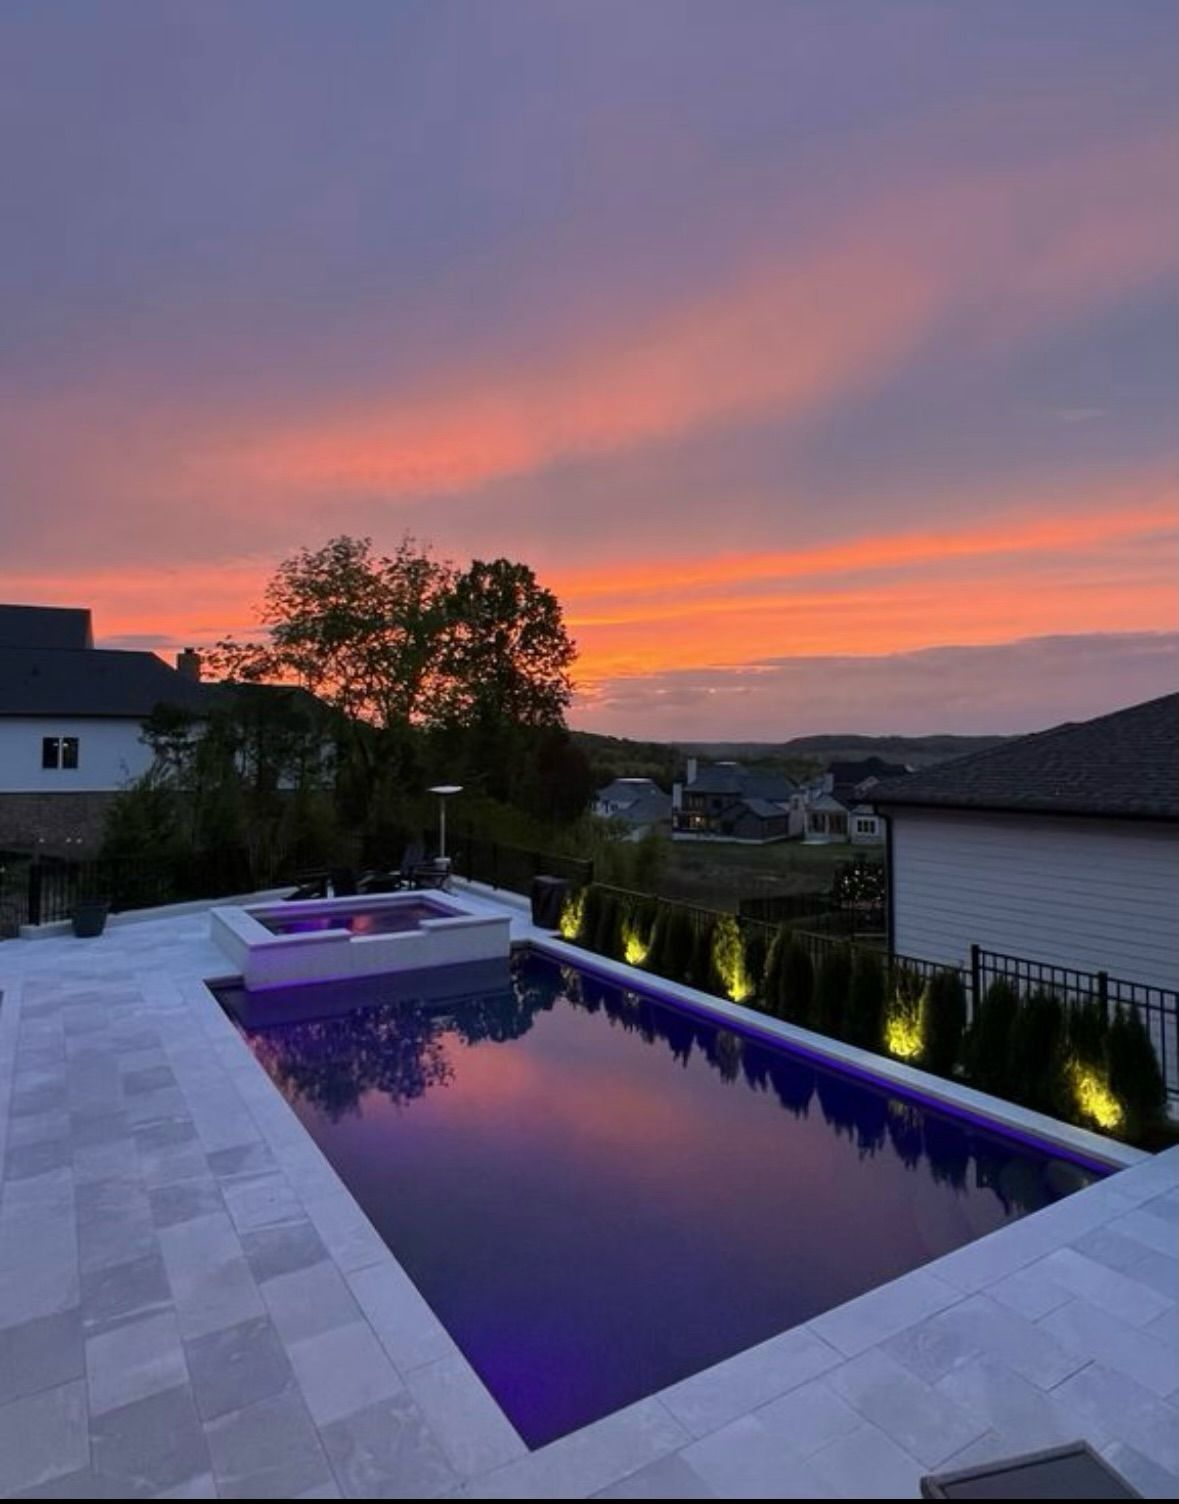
pixel 615 757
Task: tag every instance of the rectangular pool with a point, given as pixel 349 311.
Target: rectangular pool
pixel 599 1193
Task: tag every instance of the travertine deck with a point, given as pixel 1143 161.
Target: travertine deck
pixel 191 1304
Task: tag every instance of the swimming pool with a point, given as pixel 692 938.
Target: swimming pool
pixel 600 1194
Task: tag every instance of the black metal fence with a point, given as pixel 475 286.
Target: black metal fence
pixel 514 867
pixel 40 890
pixel 1157 1007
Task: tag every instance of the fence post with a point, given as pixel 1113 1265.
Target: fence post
pixel 35 889
pixel 1103 992
pixel 975 979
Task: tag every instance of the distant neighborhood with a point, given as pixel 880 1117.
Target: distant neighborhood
pixel 725 801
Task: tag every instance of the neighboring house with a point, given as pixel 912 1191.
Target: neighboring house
pixel 724 801
pixel 1062 847
pixel 638 803
pixel 826 819
pixel 70 718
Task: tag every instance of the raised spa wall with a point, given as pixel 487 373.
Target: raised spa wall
pixel 265 959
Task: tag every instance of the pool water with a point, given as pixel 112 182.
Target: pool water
pixel 359 919
pixel 600 1194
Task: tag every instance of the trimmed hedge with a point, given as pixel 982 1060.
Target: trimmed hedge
pixel 944 1022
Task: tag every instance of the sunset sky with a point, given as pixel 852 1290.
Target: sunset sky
pixel 821 355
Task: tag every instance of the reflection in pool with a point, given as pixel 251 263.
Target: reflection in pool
pixel 600 1194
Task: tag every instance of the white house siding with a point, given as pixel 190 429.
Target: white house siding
pixel 1092 894
pixel 110 754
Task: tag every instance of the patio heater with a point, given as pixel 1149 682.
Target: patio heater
pixel 444 791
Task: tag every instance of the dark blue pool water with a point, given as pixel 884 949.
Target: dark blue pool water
pixel 599 1194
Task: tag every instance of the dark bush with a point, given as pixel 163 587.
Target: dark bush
pixel 702 973
pixel 1134 1075
pixel 987 1050
pixel 591 917
pixel 607 933
pixel 796 984
pixel 756 957
pixel 944 1022
pixel 771 987
pixel 1035 1051
pixel 671 952
pixel 865 1001
pixel 831 991
pixel 1088 1033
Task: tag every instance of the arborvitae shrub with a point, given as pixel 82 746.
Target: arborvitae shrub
pixel 756 948
pixel 1034 1051
pixel 990 1036
pixel 831 989
pixel 591 916
pixel 730 966
pixel 703 971
pixel 1087 1029
pixel 674 942
pixel 865 1001
pixel 944 1022
pixel 1134 1075
pixel 638 929
pixel 796 984
pixel 771 991
pixel 607 939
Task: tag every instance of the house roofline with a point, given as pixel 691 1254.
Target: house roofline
pixel 1072 812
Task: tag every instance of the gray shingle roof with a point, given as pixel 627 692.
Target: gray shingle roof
pixel 92 682
pixel 45 627
pixel 1124 765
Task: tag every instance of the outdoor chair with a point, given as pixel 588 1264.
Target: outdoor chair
pixel 1074 1471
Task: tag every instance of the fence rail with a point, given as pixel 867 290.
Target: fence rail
pixel 1157 1007
pixel 41 890
pixel 515 867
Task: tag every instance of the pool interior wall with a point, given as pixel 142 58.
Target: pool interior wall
pixel 599 1193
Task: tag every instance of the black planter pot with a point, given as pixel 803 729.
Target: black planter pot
pixel 90 917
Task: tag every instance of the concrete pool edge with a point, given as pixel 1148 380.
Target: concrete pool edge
pixel 953 1096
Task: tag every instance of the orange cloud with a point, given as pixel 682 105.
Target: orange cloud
pixel 1008 254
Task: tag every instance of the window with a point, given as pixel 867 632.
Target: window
pixel 866 827
pixel 59 752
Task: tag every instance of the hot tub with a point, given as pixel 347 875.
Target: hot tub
pixel 277 944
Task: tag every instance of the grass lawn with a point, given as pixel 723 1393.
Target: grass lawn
pixel 719 874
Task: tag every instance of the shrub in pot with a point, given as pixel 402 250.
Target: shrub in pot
pixel 90 917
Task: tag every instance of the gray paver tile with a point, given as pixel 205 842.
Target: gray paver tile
pixel 924 1422
pixel 150 1447
pixel 1120 1409
pixel 131 1361
pixel 183 1200
pixel 749 1461
pixel 748 1380
pixel 122 1292
pixel 268 1450
pixel 386 1451
pixel 1092 1332
pixel 309 1301
pixel 472 1429
pixel 237 1366
pixel 282 1249
pixel 41 1354
pixel 42 1437
pixel 343 1370
pixel 665 1478
pixel 868 1465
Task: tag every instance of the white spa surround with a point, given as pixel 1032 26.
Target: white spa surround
pixel 266 959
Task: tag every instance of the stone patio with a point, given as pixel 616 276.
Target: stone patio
pixel 192 1305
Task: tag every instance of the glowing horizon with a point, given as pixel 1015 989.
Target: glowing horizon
pixel 792 352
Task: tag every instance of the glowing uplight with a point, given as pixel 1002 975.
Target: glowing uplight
pixel 728 956
pixel 1094 1099
pixel 572 914
pixel 635 948
pixel 904 1032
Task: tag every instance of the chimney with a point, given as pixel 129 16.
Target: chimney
pixel 188 663
pixel 691 773
pixel 677 795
